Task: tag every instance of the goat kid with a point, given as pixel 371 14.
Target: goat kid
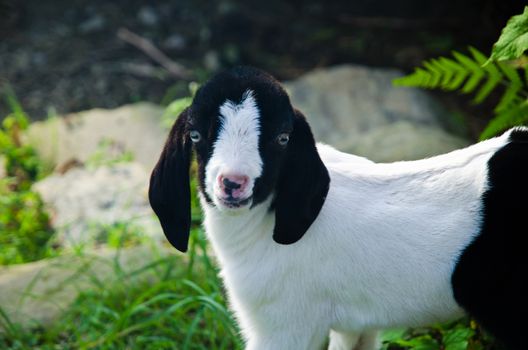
pixel 313 241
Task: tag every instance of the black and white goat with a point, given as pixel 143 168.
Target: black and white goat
pixel 312 240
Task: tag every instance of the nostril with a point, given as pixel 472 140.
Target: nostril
pixel 233 182
pixel 230 184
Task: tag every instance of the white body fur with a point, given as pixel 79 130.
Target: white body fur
pixel 379 255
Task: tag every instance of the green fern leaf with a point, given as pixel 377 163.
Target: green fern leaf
pixel 422 77
pixel 470 74
pixel 455 73
pixel 479 57
pixel 513 40
pixel 477 72
pixel 460 74
pixel 510 72
pixel 458 80
pixel 446 72
pixel 436 74
pixel 491 70
pixel 509 98
pixel 516 115
pixel 418 78
pixel 494 78
pixel 467 62
pixel 472 83
pixel 514 86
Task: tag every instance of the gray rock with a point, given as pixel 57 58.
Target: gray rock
pixel 134 128
pixel 355 108
pixel 38 293
pixel 404 140
pixel 81 200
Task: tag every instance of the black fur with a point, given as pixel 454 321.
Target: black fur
pixel 294 173
pixel 276 116
pixel 169 191
pixel 302 186
pixel 490 280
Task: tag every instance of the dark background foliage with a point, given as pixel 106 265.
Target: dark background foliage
pixel 66 55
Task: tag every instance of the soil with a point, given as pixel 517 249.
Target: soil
pixel 62 56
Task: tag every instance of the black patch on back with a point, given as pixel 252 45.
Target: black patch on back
pixel 490 280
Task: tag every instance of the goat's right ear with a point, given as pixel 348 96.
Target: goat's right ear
pixel 169 191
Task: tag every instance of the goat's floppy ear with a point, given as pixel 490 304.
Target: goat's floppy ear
pixel 169 191
pixel 302 185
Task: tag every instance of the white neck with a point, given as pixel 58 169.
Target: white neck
pixel 232 234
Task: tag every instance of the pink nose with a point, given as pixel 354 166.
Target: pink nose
pixel 233 185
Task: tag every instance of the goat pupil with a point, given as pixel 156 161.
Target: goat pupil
pixel 195 136
pixel 283 139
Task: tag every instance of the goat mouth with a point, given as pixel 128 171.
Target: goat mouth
pixel 234 203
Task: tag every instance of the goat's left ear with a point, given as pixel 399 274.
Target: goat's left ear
pixel 302 185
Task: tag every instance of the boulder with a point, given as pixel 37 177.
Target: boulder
pixel 345 105
pixel 358 110
pixel 133 128
pixel 404 140
pixel 81 200
pixel 37 293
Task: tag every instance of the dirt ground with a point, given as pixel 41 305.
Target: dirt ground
pixel 62 56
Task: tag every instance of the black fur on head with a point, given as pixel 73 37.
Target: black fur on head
pixel 294 174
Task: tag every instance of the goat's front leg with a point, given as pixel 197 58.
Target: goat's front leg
pixel 369 340
pixel 343 340
pixel 354 340
pixel 287 339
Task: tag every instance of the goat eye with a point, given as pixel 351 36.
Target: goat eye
pixel 195 136
pixel 283 139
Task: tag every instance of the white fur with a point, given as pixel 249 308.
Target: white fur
pixel 379 255
pixel 236 148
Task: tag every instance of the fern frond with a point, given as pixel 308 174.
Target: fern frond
pixel 480 75
pixel 513 89
pixel 474 71
pixel 446 72
pixel 507 118
pixel 435 74
pixel 449 74
pixel 494 78
pixel 459 74
pixel 472 74
pixel 479 57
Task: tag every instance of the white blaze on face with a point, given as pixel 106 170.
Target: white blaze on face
pixel 235 151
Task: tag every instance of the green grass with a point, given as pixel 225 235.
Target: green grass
pixel 170 303
pixel 177 302
pixel 25 229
